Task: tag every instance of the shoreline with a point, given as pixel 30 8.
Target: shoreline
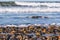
pixel 31 32
pixel 26 25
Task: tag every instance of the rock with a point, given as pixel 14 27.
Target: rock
pixel 39 17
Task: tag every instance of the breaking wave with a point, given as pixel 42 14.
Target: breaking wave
pixel 31 7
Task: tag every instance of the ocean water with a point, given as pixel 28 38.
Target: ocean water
pixel 7 18
pixel 22 14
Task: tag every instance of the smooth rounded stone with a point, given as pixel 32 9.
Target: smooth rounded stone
pixel 53 24
pixel 46 25
pixel 47 34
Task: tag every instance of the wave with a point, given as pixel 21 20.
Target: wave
pixel 18 10
pixel 44 4
pixel 37 4
pixel 24 25
pixel 30 7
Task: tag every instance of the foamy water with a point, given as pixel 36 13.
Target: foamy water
pixel 22 14
pixel 32 7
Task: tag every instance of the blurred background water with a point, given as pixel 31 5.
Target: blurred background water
pixel 17 18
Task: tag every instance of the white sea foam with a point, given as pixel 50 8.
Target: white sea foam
pixel 29 10
pixel 22 25
pixel 37 4
pixel 36 7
